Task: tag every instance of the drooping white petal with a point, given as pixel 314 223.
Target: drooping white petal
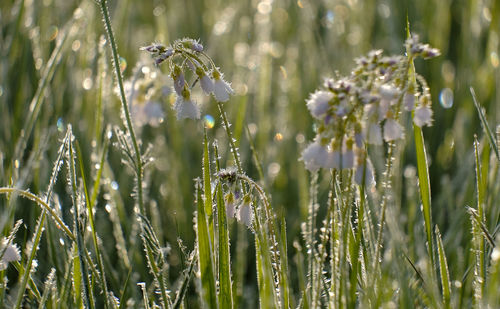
pixel 374 134
pixel 409 101
pixel 315 156
pixel 222 90
pixel 318 103
pixel 423 116
pixel 393 130
pixel 207 85
pixel 186 108
pixel 245 214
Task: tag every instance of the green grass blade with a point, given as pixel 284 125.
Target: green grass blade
pixel 207 188
pixel 285 286
pixel 481 271
pixel 26 277
pixel 423 172
pixel 79 229
pixel 225 290
pixel 443 270
pixel 185 283
pixel 484 124
pixel 90 214
pixel 205 257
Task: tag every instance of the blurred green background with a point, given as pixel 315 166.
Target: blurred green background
pixel 275 53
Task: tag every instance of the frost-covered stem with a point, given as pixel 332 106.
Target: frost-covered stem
pixel 387 185
pixel 119 79
pixel 230 137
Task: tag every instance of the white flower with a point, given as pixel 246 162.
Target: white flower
pixel 10 254
pixel 423 116
pixel 347 159
pixel 315 156
pixel 186 108
pixel 333 159
pixel 388 94
pixel 206 84
pixel 409 101
pixel 368 169
pixel 374 134
pixel 318 103
pixel 392 130
pixel 245 212
pixel 222 89
pixel 230 205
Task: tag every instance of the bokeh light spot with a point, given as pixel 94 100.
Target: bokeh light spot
pixel 209 121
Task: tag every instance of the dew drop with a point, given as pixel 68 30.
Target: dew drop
pixel 60 125
pixel 209 121
pixel 108 208
pixel 494 59
pixel 61 241
pixel 16 163
pixel 109 134
pixel 278 137
pixel 114 185
pixel 123 64
pixel 446 98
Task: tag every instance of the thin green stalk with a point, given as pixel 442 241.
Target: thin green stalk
pixel 78 228
pixel 123 98
pixel 43 205
pixel 90 213
pixel 40 224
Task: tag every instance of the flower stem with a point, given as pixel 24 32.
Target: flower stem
pixel 126 112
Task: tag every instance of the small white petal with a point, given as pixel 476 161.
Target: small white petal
pixel 186 109
pixel 245 214
pixel 388 93
pixel 222 90
pixel 374 135
pixel 207 84
pixel 318 103
pixel 409 101
pixel 423 116
pixel 392 130
pixel 315 156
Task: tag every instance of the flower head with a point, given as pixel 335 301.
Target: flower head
pixel 318 103
pixel 316 156
pixel 393 130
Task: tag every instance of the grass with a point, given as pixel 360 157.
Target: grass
pixel 151 211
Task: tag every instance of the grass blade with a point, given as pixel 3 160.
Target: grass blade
pixel 443 270
pixel 79 230
pixel 205 257
pixel 225 292
pixel 484 124
pixel 423 172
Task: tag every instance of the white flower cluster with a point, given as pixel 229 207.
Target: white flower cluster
pixel 364 108
pixel 187 54
pixel 9 252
